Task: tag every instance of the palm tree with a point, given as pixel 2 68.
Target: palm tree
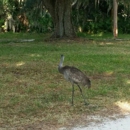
pixel 115 18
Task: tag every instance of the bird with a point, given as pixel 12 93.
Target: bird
pixel 75 77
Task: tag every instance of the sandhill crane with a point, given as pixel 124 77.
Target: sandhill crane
pixel 75 76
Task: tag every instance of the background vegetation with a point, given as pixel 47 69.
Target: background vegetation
pixel 89 16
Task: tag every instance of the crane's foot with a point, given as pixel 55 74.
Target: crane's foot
pixel 72 103
pixel 86 103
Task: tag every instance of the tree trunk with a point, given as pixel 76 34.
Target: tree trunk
pixel 115 18
pixel 60 11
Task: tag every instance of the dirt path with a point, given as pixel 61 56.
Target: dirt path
pixel 118 124
pixel 115 121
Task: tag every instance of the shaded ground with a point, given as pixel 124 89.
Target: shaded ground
pixel 103 120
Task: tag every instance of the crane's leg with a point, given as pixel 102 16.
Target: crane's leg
pixel 82 95
pixel 72 93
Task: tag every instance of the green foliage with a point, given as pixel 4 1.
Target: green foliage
pixel 93 21
pixel 1 22
pixel 39 18
pixel 89 16
pixel 97 17
pixel 28 15
pixel 42 23
pixel 124 18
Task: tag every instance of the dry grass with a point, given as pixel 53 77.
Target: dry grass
pixel 33 92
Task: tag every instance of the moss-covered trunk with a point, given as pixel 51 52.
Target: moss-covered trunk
pixel 60 11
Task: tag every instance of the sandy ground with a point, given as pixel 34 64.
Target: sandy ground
pixel 101 123
pixel 119 121
pixel 118 124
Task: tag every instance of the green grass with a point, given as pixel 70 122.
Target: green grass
pixel 103 36
pixel 32 90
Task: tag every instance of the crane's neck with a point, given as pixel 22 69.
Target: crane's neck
pixel 61 63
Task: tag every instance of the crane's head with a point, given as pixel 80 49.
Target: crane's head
pixel 61 61
pixel 61 64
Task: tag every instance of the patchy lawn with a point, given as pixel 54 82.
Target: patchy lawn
pixel 33 92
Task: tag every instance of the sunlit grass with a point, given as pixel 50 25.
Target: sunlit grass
pixel 103 36
pixel 32 89
pixel 124 106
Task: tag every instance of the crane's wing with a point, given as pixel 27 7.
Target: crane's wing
pixel 73 74
pixel 77 75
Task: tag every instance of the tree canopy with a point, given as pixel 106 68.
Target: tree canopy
pixel 63 17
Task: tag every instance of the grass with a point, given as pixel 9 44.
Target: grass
pixel 32 90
